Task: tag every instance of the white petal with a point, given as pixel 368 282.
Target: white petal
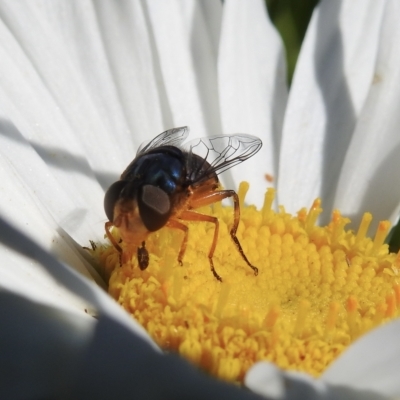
pixel 50 120
pixel 28 278
pixel 62 190
pixel 127 37
pixel 369 179
pixel 186 55
pixel 79 289
pixel 35 201
pixel 332 78
pixel 252 88
pixel 267 380
pixel 372 363
pixel 58 102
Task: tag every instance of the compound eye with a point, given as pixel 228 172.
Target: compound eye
pixel 111 197
pixel 154 207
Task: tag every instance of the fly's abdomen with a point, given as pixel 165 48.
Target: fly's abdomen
pixel 199 172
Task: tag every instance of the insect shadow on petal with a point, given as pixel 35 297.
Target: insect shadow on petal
pixel 166 182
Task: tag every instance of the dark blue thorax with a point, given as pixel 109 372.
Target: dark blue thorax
pixel 163 167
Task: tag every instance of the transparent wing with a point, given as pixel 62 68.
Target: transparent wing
pixel 171 137
pixel 217 154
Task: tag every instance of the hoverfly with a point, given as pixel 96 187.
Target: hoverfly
pixel 168 180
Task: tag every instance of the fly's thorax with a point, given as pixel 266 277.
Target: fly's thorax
pixel 163 167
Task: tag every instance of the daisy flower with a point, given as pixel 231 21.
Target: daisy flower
pixel 83 84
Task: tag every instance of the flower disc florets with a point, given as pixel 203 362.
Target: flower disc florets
pixel 318 289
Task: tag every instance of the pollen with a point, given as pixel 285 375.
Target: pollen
pixel 318 289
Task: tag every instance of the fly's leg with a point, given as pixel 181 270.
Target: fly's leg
pixel 111 238
pixel 203 198
pixel 236 219
pixel 172 223
pixel 194 216
pixel 124 256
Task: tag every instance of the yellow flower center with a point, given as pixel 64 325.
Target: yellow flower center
pixel 318 289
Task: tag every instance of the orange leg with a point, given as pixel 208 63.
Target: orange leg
pixel 204 199
pixel 108 226
pixel 124 256
pixel 172 223
pixel 194 216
